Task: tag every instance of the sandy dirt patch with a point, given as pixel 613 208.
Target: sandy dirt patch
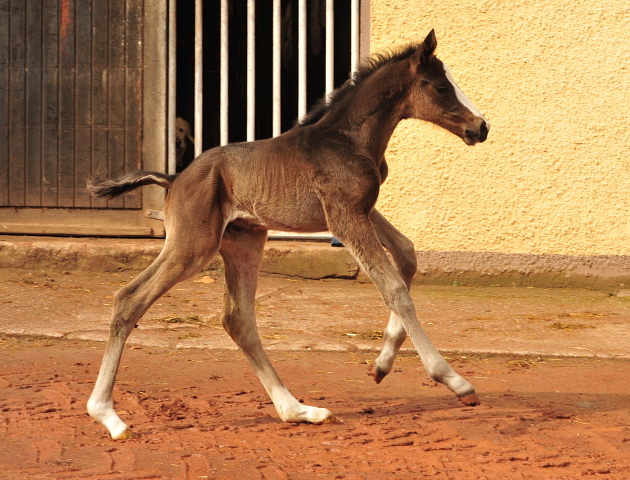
pixel 203 414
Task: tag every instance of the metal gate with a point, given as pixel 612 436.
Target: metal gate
pixel 82 94
pixel 247 69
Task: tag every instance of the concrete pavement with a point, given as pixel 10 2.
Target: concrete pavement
pixel 297 314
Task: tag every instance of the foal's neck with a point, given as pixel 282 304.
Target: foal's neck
pixel 378 105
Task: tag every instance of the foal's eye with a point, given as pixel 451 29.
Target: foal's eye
pixel 442 90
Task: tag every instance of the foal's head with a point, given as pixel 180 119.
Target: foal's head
pixel 435 96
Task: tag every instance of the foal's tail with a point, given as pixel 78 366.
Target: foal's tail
pixel 113 188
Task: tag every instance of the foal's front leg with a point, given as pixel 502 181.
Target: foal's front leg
pixel 357 233
pixel 404 255
pixel 242 253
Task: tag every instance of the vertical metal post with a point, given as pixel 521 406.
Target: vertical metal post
pixel 330 47
pixel 223 134
pixel 198 77
pixel 277 73
pixel 364 29
pixel 301 59
pixel 172 87
pixel 251 70
pixel 354 36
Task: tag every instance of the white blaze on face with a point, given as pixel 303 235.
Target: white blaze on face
pixel 464 100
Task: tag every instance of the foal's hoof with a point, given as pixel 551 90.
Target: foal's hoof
pixel 332 420
pixel 127 434
pixel 377 374
pixel 471 400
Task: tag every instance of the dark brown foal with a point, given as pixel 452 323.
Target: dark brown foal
pixel 323 174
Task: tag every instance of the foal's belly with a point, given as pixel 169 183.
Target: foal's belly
pixel 304 217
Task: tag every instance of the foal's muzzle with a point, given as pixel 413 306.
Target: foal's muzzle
pixel 478 136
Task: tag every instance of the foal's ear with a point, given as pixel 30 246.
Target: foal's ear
pixel 425 50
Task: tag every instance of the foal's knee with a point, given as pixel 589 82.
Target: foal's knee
pixel 398 300
pixel 408 262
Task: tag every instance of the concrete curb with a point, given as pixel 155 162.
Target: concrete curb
pixel 312 260
pixel 317 260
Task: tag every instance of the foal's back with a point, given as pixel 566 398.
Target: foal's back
pixel 274 183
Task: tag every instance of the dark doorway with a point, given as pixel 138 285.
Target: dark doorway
pixel 238 63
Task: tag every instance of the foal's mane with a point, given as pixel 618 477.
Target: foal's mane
pixel 364 70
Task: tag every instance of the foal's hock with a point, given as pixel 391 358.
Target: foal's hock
pixel 323 174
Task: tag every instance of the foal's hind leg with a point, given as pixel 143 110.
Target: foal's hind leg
pixel 173 265
pixel 242 252
pixel 401 249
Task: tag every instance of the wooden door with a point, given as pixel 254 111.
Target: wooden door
pixel 82 95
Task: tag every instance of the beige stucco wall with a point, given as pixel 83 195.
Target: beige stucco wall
pixel 553 78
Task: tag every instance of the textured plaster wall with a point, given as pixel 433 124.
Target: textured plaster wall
pixel 553 78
